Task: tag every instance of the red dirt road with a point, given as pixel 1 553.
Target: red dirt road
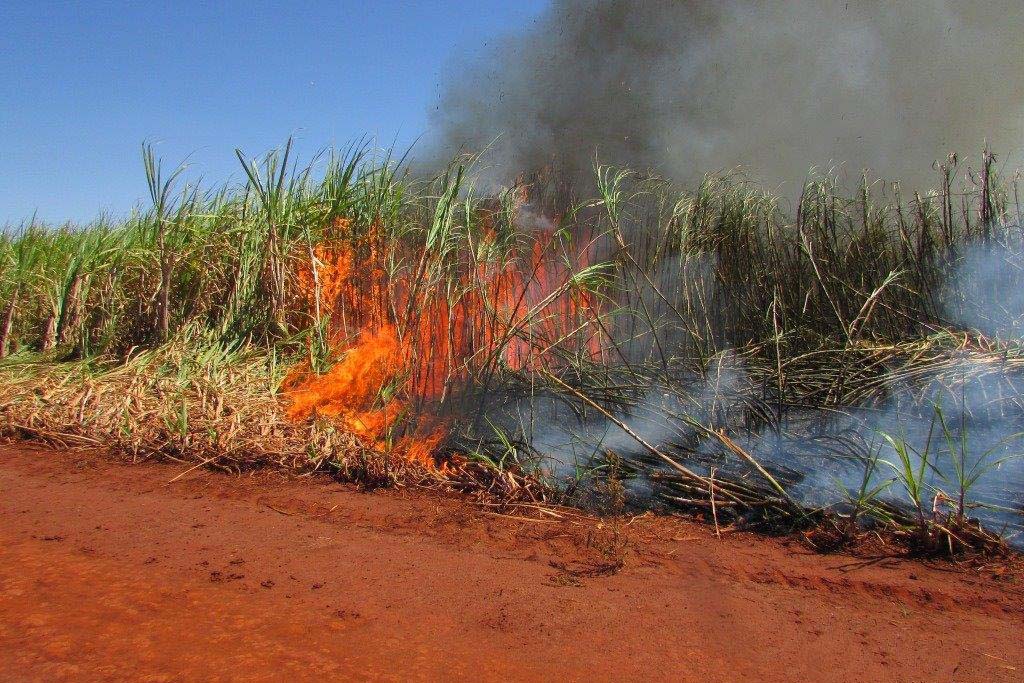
pixel 108 572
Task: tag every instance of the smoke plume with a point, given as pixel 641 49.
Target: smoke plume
pixel 692 86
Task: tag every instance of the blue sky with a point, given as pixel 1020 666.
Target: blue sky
pixel 83 84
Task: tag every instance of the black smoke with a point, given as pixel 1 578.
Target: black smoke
pixel 693 86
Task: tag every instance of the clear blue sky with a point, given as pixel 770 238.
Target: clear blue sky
pixel 83 84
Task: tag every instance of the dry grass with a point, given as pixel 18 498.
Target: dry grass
pixel 216 411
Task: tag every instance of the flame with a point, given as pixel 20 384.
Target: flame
pixel 408 343
pixel 349 389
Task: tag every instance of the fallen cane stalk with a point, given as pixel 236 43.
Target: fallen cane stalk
pixel 714 507
pixel 194 467
pixel 624 427
pixel 734 448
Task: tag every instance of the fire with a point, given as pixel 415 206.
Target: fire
pixel 408 340
pixel 348 390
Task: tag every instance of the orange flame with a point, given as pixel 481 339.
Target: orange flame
pixel 408 343
pixel 348 389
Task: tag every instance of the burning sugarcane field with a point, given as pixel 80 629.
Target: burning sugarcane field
pixel 686 342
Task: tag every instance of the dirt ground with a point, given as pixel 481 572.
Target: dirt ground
pixel 110 572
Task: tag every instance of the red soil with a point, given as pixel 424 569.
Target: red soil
pixel 108 572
